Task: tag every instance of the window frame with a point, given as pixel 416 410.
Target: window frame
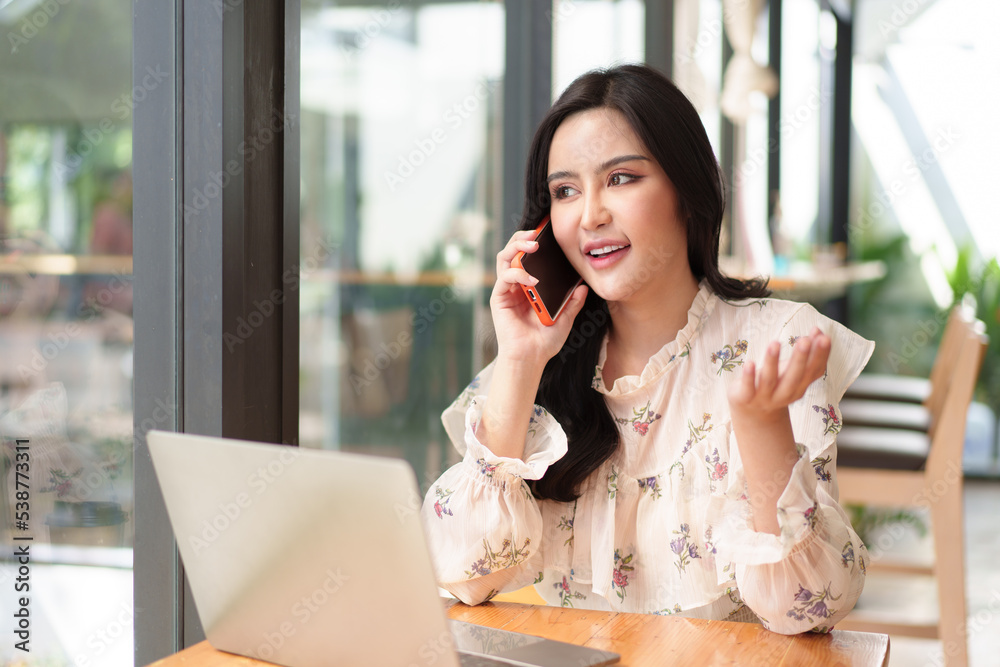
pixel 206 209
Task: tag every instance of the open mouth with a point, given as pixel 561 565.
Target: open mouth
pixel 606 251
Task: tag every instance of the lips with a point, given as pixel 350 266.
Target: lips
pixel 602 253
pixel 602 247
pixel 606 250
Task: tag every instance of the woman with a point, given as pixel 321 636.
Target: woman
pixel 669 445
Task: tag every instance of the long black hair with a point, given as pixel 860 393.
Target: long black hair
pixel 669 127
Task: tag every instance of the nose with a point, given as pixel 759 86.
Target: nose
pixel 595 214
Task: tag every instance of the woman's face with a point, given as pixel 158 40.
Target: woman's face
pixel 614 211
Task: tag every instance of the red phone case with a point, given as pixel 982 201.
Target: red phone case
pixel 532 294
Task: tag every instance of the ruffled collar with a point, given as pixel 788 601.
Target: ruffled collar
pixel 702 306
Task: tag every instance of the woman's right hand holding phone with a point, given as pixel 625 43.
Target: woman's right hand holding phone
pixel 520 335
pixel 524 346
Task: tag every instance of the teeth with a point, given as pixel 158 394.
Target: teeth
pixel 605 250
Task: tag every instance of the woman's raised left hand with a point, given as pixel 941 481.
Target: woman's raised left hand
pixel 761 393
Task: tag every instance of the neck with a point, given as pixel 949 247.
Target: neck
pixel 640 330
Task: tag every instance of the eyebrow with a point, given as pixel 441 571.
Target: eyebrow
pixel 604 166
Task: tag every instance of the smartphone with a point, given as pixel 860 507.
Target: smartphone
pixel 556 276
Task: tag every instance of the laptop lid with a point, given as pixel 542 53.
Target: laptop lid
pixel 303 557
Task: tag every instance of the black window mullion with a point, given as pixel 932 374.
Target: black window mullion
pixel 659 35
pixel 157 134
pixel 774 114
pixel 526 97
pixel 216 256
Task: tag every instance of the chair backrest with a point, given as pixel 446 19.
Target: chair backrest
pixel 960 322
pixel 948 436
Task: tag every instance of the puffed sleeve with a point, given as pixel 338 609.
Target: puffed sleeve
pixel 483 525
pixel 810 576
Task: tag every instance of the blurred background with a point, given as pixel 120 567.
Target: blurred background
pixel 406 181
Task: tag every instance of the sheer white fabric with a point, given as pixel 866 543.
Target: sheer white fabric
pixel 664 526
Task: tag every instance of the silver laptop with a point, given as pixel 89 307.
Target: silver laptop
pixel 312 558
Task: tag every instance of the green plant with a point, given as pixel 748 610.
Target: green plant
pixel 888 310
pixel 981 282
pixel 894 253
pixel 867 519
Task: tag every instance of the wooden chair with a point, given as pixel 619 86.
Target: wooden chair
pixel 893 431
pixel 898 401
pixel 935 484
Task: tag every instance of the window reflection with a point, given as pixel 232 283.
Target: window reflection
pixel 400 176
pixel 66 328
pixel 589 34
pixel 799 127
pixel 66 320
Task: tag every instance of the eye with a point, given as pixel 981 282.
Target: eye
pixel 621 178
pixel 562 192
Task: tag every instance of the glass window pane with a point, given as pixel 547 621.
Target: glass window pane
pixel 401 120
pixel 799 125
pixel 66 323
pixel 588 34
pixel 923 171
pixel 698 35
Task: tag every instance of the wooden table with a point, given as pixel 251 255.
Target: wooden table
pixel 647 640
pixel 64 265
pixel 642 640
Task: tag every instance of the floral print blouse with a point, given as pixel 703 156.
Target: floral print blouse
pixel 664 525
